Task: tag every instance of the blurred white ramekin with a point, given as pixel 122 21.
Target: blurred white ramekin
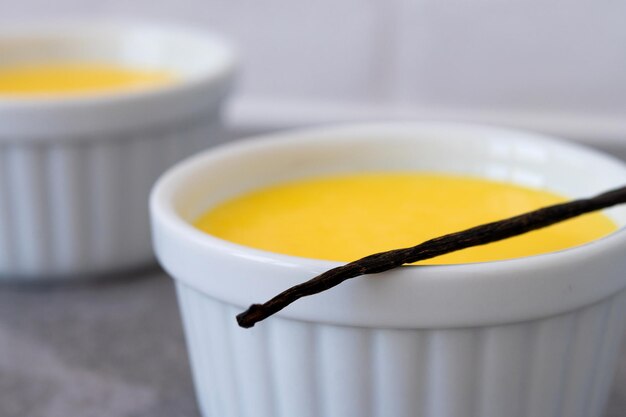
pixel 76 171
pixel 528 337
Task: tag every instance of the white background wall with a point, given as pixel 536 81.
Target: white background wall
pixel 552 65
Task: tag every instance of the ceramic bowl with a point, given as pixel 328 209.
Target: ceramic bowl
pixel 528 337
pixel 76 171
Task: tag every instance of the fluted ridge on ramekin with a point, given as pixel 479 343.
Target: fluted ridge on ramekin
pixel 77 207
pixel 560 366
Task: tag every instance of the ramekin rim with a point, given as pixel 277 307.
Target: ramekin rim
pixel 505 274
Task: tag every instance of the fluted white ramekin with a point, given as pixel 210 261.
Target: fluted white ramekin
pixel 528 337
pixel 76 171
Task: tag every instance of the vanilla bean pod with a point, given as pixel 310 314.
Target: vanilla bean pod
pixel 475 236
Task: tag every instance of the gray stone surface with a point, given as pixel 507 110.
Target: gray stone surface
pixel 112 348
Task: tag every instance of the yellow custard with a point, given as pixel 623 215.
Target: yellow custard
pixel 343 218
pixel 76 78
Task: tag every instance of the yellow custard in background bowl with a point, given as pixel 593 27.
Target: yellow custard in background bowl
pixel 75 78
pixel 532 334
pixel 91 112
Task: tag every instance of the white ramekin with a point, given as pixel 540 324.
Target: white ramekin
pixel 76 172
pixel 529 337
